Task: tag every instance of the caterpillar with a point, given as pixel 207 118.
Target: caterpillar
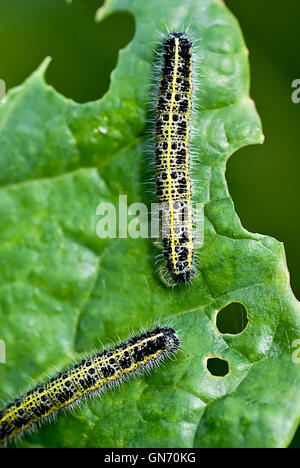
pixel 90 376
pixel 172 156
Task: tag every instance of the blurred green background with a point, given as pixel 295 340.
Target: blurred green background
pixel 263 180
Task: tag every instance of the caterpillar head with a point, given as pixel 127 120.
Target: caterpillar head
pixel 172 339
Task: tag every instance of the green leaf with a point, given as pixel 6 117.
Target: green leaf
pixel 63 288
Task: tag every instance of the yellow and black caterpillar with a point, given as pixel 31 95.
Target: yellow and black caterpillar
pixel 173 185
pixel 91 376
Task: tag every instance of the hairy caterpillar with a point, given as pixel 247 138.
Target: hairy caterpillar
pixel 172 161
pixel 91 376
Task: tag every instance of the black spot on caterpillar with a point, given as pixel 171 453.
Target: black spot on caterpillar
pixel 172 159
pixel 90 376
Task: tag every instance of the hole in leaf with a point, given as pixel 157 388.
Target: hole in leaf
pixel 217 367
pixel 232 319
pixel 83 52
